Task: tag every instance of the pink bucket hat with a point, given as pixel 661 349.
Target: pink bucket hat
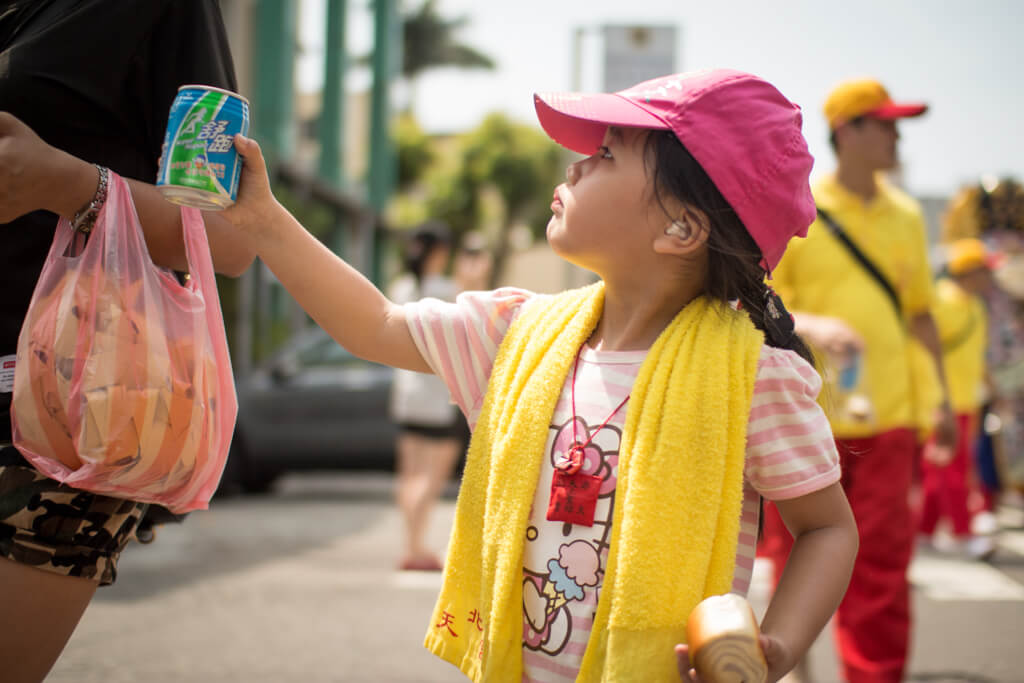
pixel 740 128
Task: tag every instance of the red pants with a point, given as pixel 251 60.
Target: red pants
pixel 873 621
pixel 945 488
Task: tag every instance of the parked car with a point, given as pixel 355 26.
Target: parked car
pixel 313 405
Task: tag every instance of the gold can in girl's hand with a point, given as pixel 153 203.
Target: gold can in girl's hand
pixel 724 641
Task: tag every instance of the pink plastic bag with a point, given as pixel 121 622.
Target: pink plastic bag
pixel 123 383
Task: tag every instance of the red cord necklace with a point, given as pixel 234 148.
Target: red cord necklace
pixel 574 494
pixel 573 460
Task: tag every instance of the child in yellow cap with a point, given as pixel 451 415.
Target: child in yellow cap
pixel 962 321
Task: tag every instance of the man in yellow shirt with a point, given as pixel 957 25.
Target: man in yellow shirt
pixel 863 327
pixel 960 314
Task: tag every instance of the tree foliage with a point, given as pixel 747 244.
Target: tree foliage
pixel 500 158
pixel 503 159
pixel 428 41
pixel 414 150
pixel 520 162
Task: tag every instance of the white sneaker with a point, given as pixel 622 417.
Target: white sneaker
pixel 980 547
pixel 984 523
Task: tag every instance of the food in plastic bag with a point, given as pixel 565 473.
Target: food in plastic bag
pixel 123 382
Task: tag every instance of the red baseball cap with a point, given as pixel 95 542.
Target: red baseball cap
pixel 742 131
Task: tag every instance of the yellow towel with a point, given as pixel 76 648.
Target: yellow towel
pixel 677 504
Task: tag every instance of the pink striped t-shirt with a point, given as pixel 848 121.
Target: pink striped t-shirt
pixel 790 453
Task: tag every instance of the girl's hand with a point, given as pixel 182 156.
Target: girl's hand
pixel 686 671
pixel 255 209
pixel 779 657
pixel 776 654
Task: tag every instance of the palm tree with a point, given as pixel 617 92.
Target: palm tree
pixel 428 41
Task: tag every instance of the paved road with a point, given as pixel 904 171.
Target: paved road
pixel 299 587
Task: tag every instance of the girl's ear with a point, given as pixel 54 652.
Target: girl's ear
pixel 684 235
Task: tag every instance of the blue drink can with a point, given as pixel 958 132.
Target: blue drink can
pixel 199 165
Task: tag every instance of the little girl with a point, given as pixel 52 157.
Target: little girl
pixel 623 433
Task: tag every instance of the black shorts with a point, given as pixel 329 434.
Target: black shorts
pixel 457 429
pixel 60 529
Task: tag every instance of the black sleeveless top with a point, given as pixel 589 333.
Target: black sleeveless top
pixel 95 78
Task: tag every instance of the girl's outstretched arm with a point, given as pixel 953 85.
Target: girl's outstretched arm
pixel 815 577
pixel 338 297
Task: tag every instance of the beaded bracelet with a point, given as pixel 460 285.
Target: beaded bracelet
pixel 85 219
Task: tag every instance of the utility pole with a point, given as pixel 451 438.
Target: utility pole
pixel 387 59
pixel 332 111
pixel 273 93
pixel 273 85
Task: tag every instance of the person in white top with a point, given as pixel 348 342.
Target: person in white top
pixel 430 426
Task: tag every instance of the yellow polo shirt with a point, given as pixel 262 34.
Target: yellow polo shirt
pixel 818 275
pixel 963 330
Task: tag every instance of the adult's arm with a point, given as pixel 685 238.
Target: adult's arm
pixel 828 333
pixel 35 175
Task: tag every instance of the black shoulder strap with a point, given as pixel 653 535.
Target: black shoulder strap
pixel 861 258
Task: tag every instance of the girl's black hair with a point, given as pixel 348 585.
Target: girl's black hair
pixel 734 259
pixel 421 243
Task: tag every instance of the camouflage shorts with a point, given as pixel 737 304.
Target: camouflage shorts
pixel 59 529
